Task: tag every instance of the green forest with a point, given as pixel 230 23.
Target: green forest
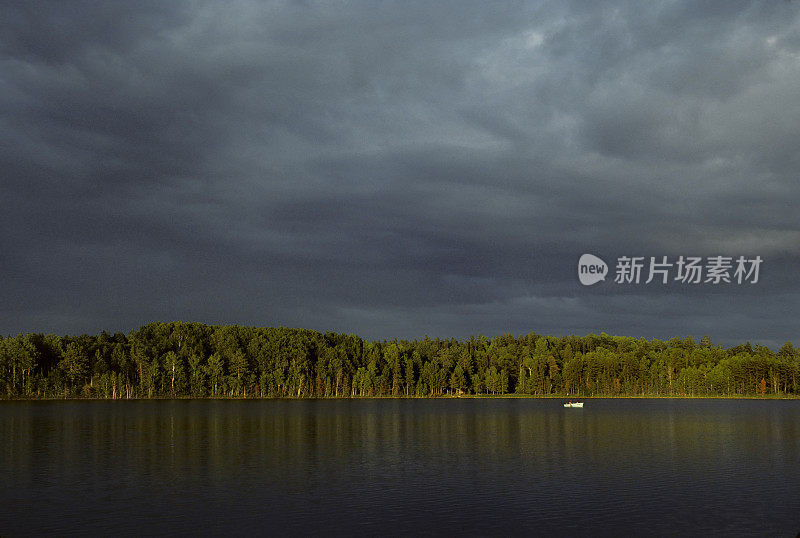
pixel 162 360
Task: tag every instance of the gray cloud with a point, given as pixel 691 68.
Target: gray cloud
pixel 396 169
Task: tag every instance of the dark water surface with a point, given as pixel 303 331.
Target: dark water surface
pixel 489 467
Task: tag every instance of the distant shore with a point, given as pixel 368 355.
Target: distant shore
pixel 194 360
pixel 442 397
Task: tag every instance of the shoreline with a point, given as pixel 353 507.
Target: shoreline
pixel 444 397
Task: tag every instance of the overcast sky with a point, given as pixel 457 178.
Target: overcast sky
pixel 397 169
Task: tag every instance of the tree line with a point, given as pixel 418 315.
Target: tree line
pixel 197 360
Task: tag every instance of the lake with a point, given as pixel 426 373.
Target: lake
pixel 477 467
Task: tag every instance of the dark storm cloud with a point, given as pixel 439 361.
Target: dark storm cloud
pixel 396 169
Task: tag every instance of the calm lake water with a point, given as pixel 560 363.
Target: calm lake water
pixel 479 467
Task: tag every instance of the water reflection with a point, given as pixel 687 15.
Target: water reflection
pixel 482 467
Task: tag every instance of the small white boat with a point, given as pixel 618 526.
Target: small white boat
pixel 573 404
